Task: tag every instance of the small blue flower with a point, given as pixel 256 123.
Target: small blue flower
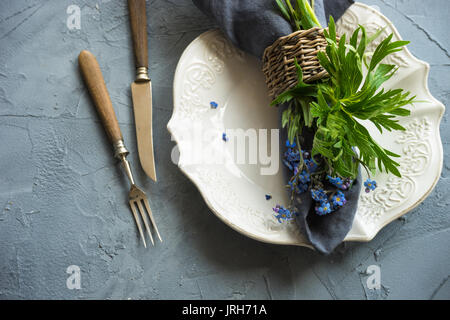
pixel 370 185
pixel 299 188
pixel 311 165
pixel 339 199
pixel 324 208
pixel 268 197
pixel 291 158
pixel 304 177
pixel 290 145
pixel 347 183
pixel 338 182
pixel 319 195
pixel 283 213
pixel 213 104
pixel 224 137
pixel 292 155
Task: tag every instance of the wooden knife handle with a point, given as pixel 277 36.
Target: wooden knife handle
pixel 138 22
pixel 96 85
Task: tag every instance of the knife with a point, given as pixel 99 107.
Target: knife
pixel 141 88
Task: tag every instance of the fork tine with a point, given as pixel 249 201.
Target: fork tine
pixel 150 214
pixel 136 218
pixel 142 212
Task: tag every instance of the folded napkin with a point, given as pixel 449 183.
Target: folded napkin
pixel 253 25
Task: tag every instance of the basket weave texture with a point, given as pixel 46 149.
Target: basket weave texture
pixel 278 60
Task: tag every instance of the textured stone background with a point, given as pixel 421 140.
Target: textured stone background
pixel 62 196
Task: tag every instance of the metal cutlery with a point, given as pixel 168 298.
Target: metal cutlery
pixel 141 88
pixel 96 85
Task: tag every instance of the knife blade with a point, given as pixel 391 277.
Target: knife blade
pixel 141 88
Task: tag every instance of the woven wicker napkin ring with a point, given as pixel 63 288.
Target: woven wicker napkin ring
pixel 278 60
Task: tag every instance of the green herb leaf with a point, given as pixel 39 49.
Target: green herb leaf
pixel 335 107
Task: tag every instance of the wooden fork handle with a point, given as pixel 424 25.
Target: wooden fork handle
pixel 96 85
pixel 138 21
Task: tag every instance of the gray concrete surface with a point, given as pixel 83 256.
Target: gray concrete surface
pixel 63 197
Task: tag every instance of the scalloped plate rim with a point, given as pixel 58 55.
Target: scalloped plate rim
pixel 357 238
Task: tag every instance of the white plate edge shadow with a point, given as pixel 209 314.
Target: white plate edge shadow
pixel 355 234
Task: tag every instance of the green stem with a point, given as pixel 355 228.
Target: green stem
pixel 293 14
pixel 311 12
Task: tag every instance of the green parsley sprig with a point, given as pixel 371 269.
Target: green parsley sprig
pixel 334 107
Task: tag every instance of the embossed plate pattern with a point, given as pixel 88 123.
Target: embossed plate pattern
pixel 212 69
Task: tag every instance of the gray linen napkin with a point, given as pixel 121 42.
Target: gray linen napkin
pixel 253 25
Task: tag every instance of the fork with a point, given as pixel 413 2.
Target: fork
pixel 95 83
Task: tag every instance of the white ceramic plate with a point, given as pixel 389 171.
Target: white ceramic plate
pixel 212 69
